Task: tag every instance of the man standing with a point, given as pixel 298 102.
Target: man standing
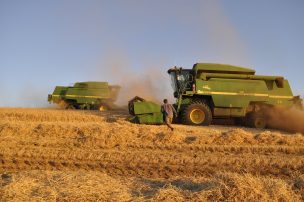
pixel 168 111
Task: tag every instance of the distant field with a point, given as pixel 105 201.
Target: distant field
pixel 50 154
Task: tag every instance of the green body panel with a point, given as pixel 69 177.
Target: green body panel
pixel 239 93
pixel 145 112
pixel 206 76
pixel 154 118
pixel 91 85
pixel 91 94
pixel 231 89
pixel 146 107
pixel 211 67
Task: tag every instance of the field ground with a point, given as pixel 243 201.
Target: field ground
pixel 59 155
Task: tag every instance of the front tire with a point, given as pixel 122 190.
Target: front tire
pixel 197 113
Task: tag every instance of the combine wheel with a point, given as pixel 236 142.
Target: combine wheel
pixel 256 120
pixel 103 108
pixel 197 113
pixel 84 107
pixel 70 106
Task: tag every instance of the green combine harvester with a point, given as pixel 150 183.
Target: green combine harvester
pixel 218 91
pixel 85 95
pixel 210 91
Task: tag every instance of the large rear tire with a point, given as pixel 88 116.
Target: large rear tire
pixel 197 113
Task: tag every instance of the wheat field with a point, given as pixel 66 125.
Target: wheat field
pixel 67 155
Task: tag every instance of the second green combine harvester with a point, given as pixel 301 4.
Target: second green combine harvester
pixel 85 95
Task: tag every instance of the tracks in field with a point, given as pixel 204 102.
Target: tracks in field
pixel 157 160
pixel 65 140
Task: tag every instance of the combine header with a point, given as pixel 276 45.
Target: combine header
pixel 145 112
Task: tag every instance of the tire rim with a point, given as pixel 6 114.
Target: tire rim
pixel 102 108
pixel 197 116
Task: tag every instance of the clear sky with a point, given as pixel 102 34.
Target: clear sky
pixel 58 42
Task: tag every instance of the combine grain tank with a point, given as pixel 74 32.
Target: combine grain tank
pixel 209 91
pixel 85 95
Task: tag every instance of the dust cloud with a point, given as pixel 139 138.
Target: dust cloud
pixel 224 38
pixel 150 82
pixel 291 120
pixel 31 95
pixel 150 85
pixel 36 98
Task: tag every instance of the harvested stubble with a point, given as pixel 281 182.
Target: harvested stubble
pixel 71 186
pixel 96 186
pixel 39 144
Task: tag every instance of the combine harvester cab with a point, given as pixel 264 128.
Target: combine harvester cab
pixel 210 91
pixel 85 95
pixel 145 112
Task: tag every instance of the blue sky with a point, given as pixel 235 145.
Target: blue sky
pixel 133 42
